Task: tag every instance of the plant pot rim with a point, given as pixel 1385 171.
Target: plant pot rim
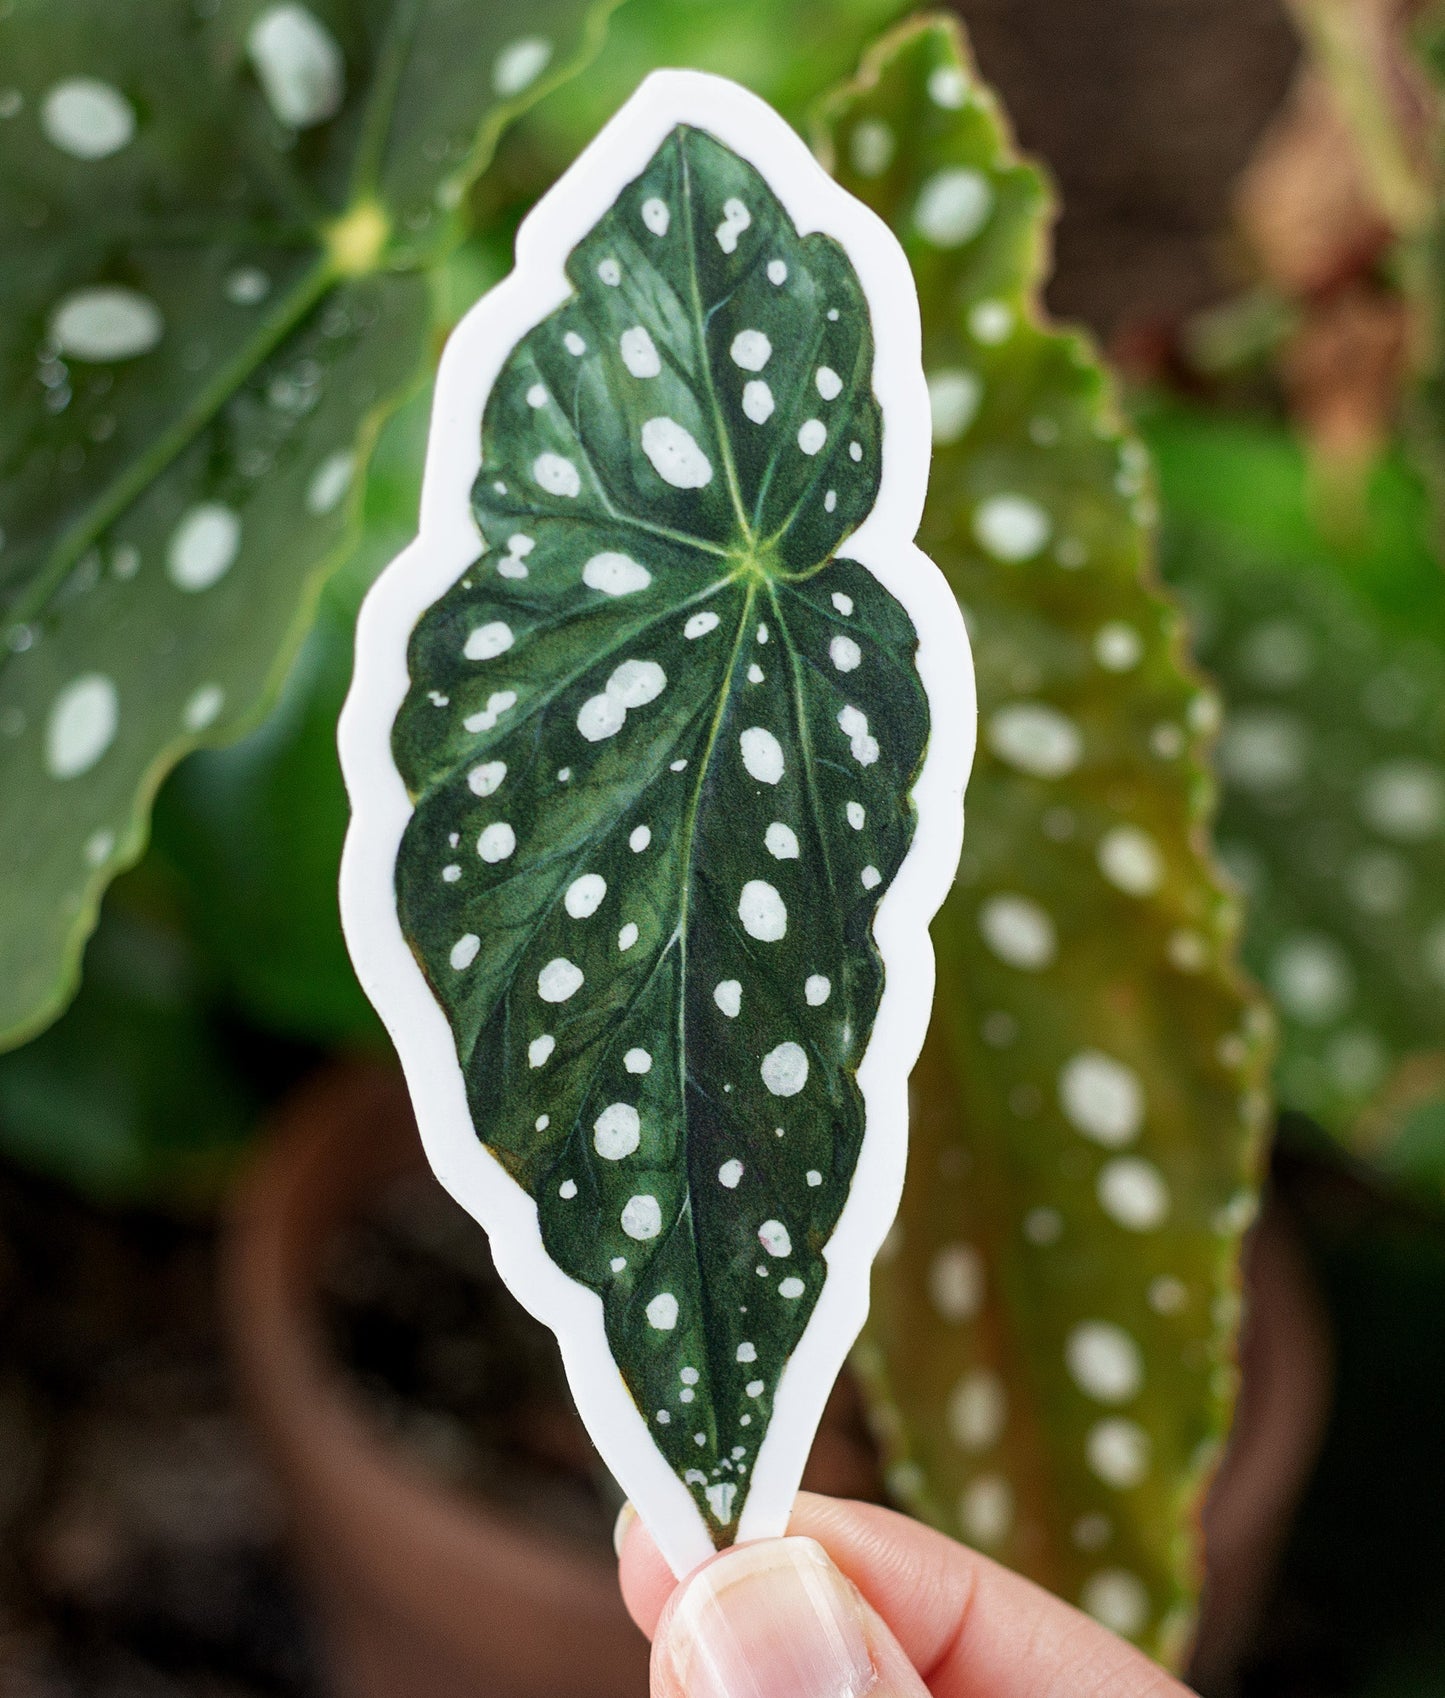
pixel 476 1587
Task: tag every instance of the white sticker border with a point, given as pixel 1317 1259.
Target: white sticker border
pixel 448 544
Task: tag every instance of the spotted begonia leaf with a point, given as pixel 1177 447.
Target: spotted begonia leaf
pixel 1330 651
pixel 1049 1352
pixel 661 741
pixel 215 222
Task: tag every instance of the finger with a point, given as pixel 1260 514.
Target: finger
pixel 973 1629
pixel 775 1619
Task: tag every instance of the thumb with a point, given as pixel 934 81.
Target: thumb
pixel 776 1619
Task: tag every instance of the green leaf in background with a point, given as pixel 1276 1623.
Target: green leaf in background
pixel 254 832
pixel 787 51
pixel 662 741
pixel 1330 651
pixel 1050 1347
pixel 215 222
pixel 132 1096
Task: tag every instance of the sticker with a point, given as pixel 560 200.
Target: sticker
pixel 656 750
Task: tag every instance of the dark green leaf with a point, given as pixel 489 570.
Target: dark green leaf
pixel 661 741
pixel 213 224
pixel 1050 1347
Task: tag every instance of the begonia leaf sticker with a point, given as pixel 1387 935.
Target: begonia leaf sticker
pixel 656 749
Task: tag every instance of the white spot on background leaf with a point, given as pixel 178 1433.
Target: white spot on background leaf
pixel 1102 1098
pixel 991 322
pixel 1312 977
pixel 699 625
pixel 812 434
pixel 953 398
pixel 948 87
pixel 1018 931
pixel 986 1510
pixel 1036 739
pixel 656 216
pixel 871 147
pixel 105 323
pixel 203 546
pixel 1133 1193
pixel 977 1410
pixel 298 64
pixel 1129 858
pixel 1117 1451
pixel 728 995
pixel 81 726
pixel 817 989
pixel 520 63
pixel 1011 528
pixel 953 206
pixel 330 482
pixel 1405 800
pixel 1116 1599
pixel 540 1049
pixel 202 707
pixel 1104 1362
pixel 87 118
pixel 1118 647
pixel 955 1282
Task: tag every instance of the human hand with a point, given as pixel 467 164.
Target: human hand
pixel 859 1601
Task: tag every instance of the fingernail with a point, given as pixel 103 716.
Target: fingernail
pixel 770 1620
pixel 622 1526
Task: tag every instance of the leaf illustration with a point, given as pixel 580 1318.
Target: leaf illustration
pixel 215 223
pixel 1050 1341
pixel 1330 651
pixel 661 741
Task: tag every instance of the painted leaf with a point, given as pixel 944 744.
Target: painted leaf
pixel 1050 1343
pixel 214 226
pixel 1330 651
pixel 661 741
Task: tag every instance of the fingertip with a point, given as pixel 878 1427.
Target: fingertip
pixel 646 1580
